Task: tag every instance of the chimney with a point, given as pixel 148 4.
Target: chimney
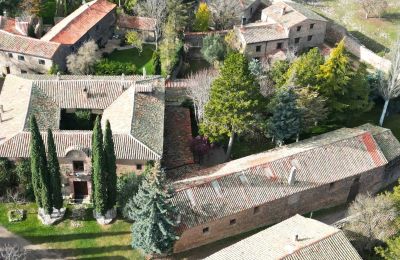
pixel 296 238
pixel 1 118
pixel 292 176
pixel 85 92
pixel 144 73
pixel 283 11
pixel 5 14
pixel 123 77
pixel 1 109
pixel 58 76
pixel 122 87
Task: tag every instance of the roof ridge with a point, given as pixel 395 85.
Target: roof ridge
pixel 144 145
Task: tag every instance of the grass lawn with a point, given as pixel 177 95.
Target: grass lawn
pixel 375 33
pixel 90 241
pixel 132 56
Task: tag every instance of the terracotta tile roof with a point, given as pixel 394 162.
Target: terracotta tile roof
pixel 25 45
pixel 316 241
pixel 294 13
pixel 262 32
pixel 257 179
pixel 137 23
pixel 45 98
pixel 73 27
pixel 8 24
pixel 178 135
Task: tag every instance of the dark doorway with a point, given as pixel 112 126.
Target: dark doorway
pixel 8 70
pixel 78 166
pixel 80 189
pixel 354 189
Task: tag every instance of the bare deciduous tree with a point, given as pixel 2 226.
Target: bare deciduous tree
pixel 12 252
pixel 371 218
pixel 373 8
pixel 225 13
pixel 82 62
pixel 390 88
pixel 156 9
pixel 199 90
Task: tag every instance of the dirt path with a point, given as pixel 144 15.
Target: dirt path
pixel 33 251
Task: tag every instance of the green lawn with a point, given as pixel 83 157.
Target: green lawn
pixel 133 56
pixel 375 33
pixel 86 242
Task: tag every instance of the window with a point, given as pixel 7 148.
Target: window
pixel 24 72
pixel 78 166
pixel 10 55
pixel 20 57
pixel 312 25
pixel 251 10
pixel 331 185
pixel 97 27
pixel 279 45
pixel 232 222
pixel 42 62
pixel 296 40
pixel 258 48
pixel 309 37
pixel 139 166
pixel 256 210
pixel 298 28
pixel 206 230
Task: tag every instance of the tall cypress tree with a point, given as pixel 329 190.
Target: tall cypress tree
pixel 98 172
pixel 154 228
pixel 40 175
pixel 54 171
pixel 110 167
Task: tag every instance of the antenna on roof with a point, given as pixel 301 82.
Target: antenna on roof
pixel 292 176
pixel 123 76
pixel 58 75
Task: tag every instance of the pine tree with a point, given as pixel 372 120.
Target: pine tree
pixel 203 16
pixel 110 167
pixel 285 122
pixel 40 175
pixel 234 102
pixel 154 228
pixel 54 171
pixel 98 172
pixel 335 75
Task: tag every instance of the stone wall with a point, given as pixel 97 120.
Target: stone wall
pixel 313 199
pixel 30 64
pixel 336 33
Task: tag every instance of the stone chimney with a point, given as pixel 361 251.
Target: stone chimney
pixel 85 92
pixel 296 238
pixel 292 176
pixel 283 11
pixel 1 109
pixel 242 22
pixel 58 76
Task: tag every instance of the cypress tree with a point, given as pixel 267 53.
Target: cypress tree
pixel 110 167
pixel 98 173
pixel 40 175
pixel 54 171
pixel 154 228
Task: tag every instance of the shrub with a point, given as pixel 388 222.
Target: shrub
pixel 15 215
pixel 127 187
pixel 8 179
pixel 200 145
pixel 107 67
pixel 214 48
pixel 24 175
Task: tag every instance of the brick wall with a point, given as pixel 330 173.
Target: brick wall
pixel 314 199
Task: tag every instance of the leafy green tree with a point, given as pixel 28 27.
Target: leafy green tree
pixel 130 4
pixel 54 171
pixel 40 175
pixel 6 175
pixel 98 171
pixel 24 175
pixel 214 48
pixel 202 19
pixel 127 187
pixel 155 59
pixel 134 39
pixel 304 70
pixel 178 14
pixel 392 250
pixel 312 106
pixel 10 6
pixel 278 72
pixel 110 167
pixel 234 102
pixel 154 227
pixel 169 49
pixel 255 68
pixel 285 122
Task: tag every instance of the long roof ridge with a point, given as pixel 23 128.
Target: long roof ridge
pixel 144 145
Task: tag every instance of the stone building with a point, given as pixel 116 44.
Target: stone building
pixel 283 26
pixel 294 238
pixel 263 189
pixel 20 54
pixel 145 26
pixel 134 106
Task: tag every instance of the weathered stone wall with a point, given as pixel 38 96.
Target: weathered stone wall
pixel 336 33
pixel 314 199
pixel 317 32
pixel 30 64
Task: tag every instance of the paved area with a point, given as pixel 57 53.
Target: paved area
pixel 33 251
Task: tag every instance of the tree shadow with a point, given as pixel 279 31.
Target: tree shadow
pixel 369 42
pixel 391 17
pixel 82 252
pixel 71 237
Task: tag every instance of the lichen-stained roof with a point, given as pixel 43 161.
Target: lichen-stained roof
pixel 73 27
pixel 257 179
pixel 137 23
pixel 316 241
pixel 26 45
pixel 262 32
pixel 294 13
pixel 45 96
pixel 388 143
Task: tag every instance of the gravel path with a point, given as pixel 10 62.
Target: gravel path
pixel 33 251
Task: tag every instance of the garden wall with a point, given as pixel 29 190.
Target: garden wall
pixel 335 33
